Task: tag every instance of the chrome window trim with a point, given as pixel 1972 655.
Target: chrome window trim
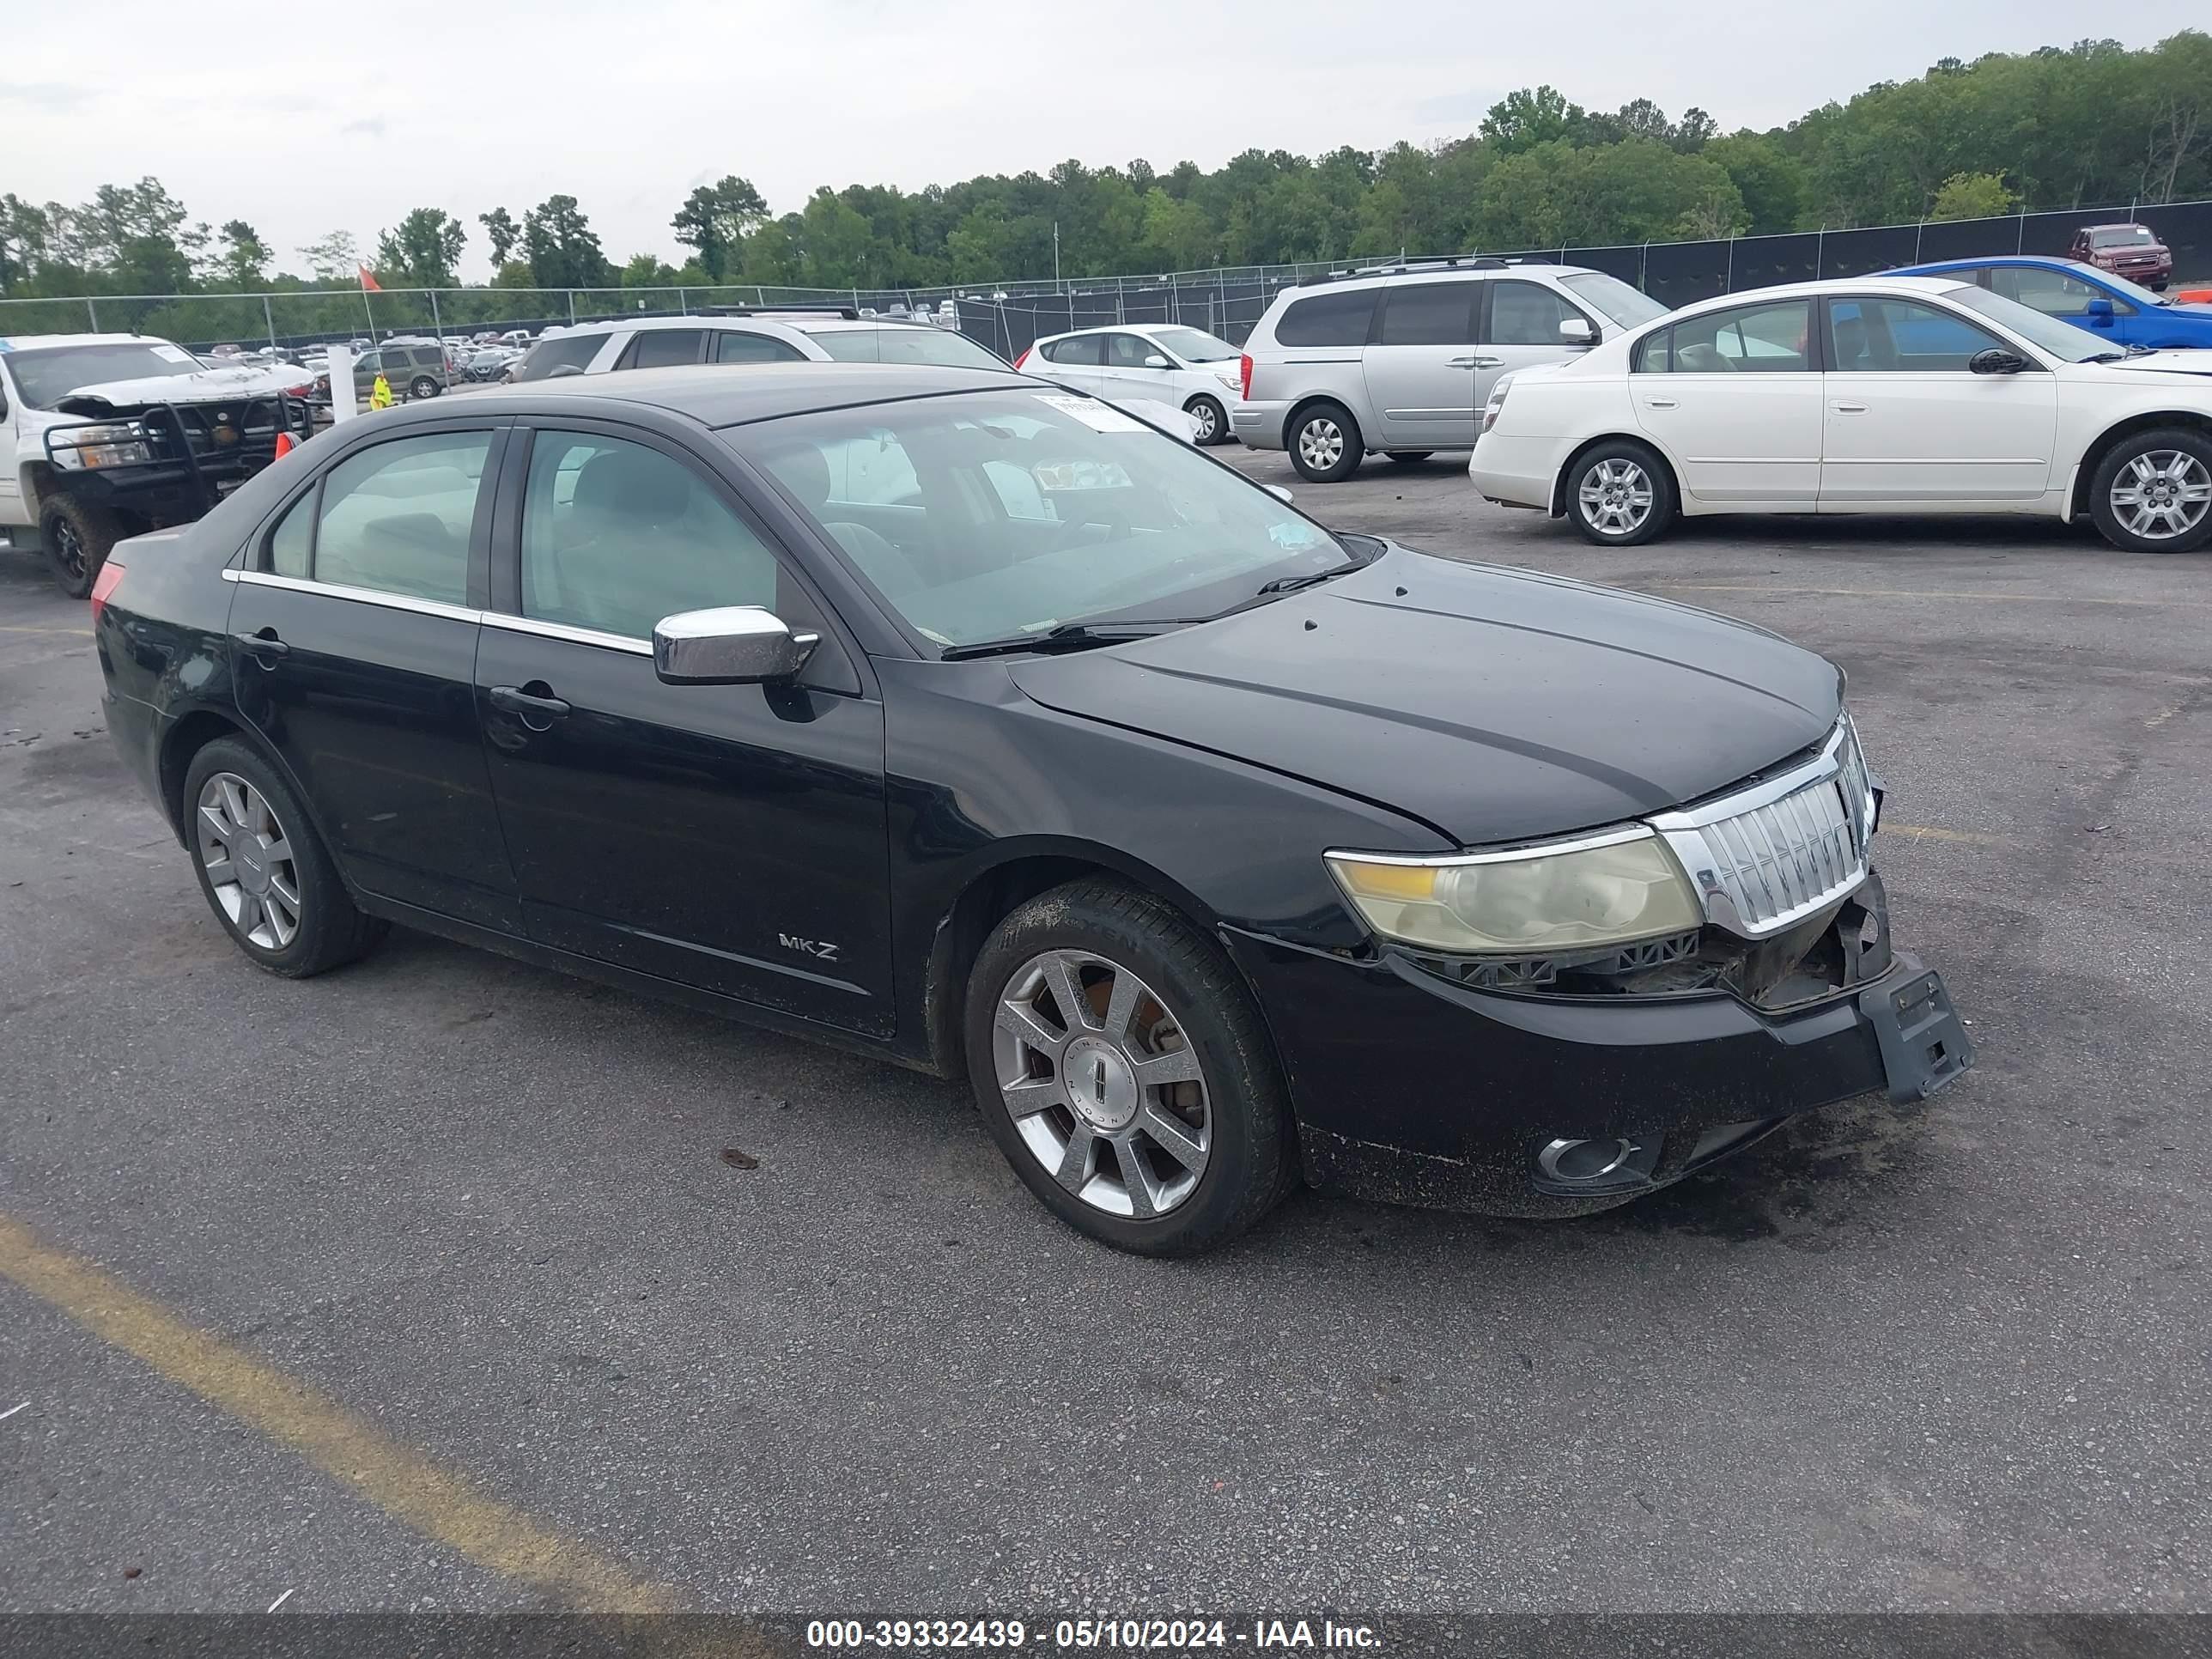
pixel 564 631
pixel 361 595
pixel 1534 849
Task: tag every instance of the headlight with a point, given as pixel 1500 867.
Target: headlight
pixel 115 443
pixel 1592 891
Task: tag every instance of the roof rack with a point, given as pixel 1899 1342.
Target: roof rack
pixel 850 313
pixel 1414 263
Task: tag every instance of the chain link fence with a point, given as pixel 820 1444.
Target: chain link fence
pixel 1007 316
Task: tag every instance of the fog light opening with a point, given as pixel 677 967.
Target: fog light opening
pixel 1578 1162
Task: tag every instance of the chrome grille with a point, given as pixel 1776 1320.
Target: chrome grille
pixel 1768 855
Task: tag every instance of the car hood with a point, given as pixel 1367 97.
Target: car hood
pixel 2175 360
pixel 207 386
pixel 1495 705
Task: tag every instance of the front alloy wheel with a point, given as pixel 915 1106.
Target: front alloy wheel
pixel 1102 1084
pixel 1616 496
pixel 250 864
pixel 2161 495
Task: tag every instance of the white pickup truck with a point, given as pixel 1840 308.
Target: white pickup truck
pixel 107 435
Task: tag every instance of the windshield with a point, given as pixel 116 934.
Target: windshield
pixel 1195 345
pixel 46 377
pixel 2133 292
pixel 938 347
pixel 2060 339
pixel 569 353
pixel 1628 307
pixel 992 515
pixel 2120 236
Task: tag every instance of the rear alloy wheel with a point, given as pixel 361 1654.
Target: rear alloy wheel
pixel 2153 492
pixel 422 386
pixel 1619 495
pixel 1212 423
pixel 1407 456
pixel 264 869
pixel 1325 446
pixel 77 536
pixel 1121 1067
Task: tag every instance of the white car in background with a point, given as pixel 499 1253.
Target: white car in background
pixel 1145 362
pixel 1869 394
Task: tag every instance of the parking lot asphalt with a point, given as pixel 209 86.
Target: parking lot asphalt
pixel 1952 1357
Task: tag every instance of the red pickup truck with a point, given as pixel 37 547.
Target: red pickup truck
pixel 2131 251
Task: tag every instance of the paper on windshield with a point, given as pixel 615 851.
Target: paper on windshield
pixel 169 354
pixel 1099 417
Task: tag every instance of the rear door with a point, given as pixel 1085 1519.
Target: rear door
pixel 1908 424
pixel 730 837
pixel 1421 366
pixel 664 348
pixel 1077 361
pixel 1734 397
pixel 354 628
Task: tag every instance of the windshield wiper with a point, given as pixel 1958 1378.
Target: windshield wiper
pixel 1267 590
pixel 1068 636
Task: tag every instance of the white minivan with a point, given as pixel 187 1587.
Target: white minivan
pixel 1145 363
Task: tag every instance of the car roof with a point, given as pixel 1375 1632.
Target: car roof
pixel 719 395
pixel 2053 261
pixel 41 341
pixel 1882 283
pixel 1114 328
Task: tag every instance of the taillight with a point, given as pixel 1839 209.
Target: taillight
pixel 1244 377
pixel 103 587
pixel 1025 357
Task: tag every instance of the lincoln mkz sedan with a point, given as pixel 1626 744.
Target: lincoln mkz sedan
pixel 984 729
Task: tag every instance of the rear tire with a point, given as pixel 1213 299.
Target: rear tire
pixel 1213 422
pixel 263 869
pixel 1209 1146
pixel 2152 492
pixel 1619 494
pixel 1407 456
pixel 423 386
pixel 77 536
pixel 1325 443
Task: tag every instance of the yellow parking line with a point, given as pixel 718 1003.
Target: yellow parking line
pixel 402 1482
pixel 1928 832
pixel 1915 593
pixel 24 627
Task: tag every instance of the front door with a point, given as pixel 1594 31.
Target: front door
pixel 1908 424
pixel 1128 377
pixel 1733 397
pixel 1520 329
pixel 354 640
pixel 729 837
pixel 1421 365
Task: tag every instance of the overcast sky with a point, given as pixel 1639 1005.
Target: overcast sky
pixel 303 119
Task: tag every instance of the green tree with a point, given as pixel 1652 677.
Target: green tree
pixel 647 270
pixel 714 219
pixel 335 258
pixel 244 255
pixel 421 251
pixel 562 251
pixel 1770 180
pixel 1972 196
pixel 1524 118
pixel 502 231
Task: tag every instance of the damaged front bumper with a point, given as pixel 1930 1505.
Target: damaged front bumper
pixel 1412 1086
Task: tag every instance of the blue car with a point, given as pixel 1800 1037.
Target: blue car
pixel 2111 307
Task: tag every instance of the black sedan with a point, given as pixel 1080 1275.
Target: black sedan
pixel 979 726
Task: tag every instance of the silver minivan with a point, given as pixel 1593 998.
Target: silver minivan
pixel 1401 360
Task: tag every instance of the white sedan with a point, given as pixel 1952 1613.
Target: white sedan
pixel 1873 394
pixel 1156 362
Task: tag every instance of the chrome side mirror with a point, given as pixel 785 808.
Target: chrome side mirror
pixel 1577 332
pixel 734 645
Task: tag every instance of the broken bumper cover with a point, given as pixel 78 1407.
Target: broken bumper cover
pixel 1414 1089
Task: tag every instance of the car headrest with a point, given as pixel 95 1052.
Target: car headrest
pixel 633 483
pixel 806 473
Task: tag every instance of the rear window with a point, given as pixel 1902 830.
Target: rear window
pixel 567 353
pixel 1323 319
pixel 663 347
pixel 1083 348
pixel 905 344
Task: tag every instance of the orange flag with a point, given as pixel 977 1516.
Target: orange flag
pixel 368 281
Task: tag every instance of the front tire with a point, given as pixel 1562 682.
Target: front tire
pixel 1325 443
pixel 1212 421
pixel 2152 492
pixel 1620 494
pixel 1123 1068
pixel 422 386
pixel 77 536
pixel 263 869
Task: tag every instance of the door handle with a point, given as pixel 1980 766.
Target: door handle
pixel 1659 402
pixel 528 707
pixel 1851 408
pixel 264 646
pixel 1472 363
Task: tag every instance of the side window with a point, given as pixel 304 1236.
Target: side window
pixel 566 354
pixel 615 535
pixel 1900 336
pixel 396 517
pixel 1650 356
pixel 1526 314
pixel 663 347
pixel 1327 319
pixel 733 346
pixel 1084 350
pixel 870 471
pixel 1749 339
pixel 3 395
pixel 2053 293
pixel 1129 351
pixel 292 543
pixel 1429 313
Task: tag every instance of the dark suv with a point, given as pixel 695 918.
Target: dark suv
pixel 415 369
pixel 2131 251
